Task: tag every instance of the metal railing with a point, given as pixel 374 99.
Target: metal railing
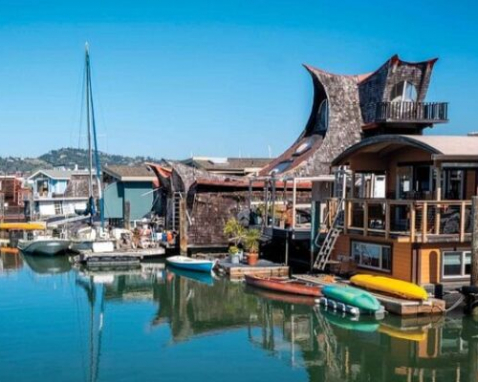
pixel 411 220
pixel 411 111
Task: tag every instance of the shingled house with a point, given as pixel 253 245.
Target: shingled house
pixel 346 109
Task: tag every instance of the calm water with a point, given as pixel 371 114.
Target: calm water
pixel 148 324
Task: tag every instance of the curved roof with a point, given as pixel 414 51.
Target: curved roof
pixel 434 144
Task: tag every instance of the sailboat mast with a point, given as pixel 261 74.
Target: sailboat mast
pixel 92 134
pixel 88 127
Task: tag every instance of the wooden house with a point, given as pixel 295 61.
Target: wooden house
pixel 128 185
pixel 346 109
pixel 406 211
pixel 228 166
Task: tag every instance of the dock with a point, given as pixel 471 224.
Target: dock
pixel 128 257
pixel 394 305
pixel 262 268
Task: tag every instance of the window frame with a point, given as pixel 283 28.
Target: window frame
pixel 371 267
pixel 462 274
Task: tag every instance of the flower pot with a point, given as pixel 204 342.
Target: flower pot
pixel 235 259
pixel 252 258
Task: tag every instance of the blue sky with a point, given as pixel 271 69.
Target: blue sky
pixel 218 78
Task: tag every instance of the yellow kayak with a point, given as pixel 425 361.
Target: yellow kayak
pixel 390 286
pixel 32 226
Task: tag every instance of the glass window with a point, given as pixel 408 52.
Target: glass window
pixel 323 115
pixel 456 264
pixel 403 92
pixel 371 255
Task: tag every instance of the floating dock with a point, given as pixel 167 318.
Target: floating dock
pixel 262 268
pixel 129 257
pixel 392 305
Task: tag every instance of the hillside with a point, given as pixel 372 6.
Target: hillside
pixel 65 157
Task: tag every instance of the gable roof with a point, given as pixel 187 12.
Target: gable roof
pixel 130 173
pixel 59 174
pixel 437 145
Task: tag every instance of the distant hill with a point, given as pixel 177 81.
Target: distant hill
pixel 65 157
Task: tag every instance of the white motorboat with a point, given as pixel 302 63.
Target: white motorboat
pixel 44 246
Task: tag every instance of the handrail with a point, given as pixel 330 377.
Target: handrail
pixel 417 220
pixel 411 111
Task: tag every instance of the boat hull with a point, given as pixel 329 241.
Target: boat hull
pixel 390 286
pixel 283 286
pixel 352 296
pixel 47 247
pixel 183 262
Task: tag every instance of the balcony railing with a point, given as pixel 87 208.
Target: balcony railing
pixel 408 220
pixel 418 112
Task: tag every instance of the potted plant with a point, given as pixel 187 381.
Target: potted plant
pixel 236 234
pixel 234 255
pixel 252 245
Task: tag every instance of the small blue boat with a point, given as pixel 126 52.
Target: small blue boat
pixel 196 265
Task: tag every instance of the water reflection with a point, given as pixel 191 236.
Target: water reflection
pixel 288 329
pixel 10 260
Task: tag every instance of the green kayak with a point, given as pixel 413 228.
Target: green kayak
pixel 352 296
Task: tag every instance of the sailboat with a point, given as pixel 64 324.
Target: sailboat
pixel 92 238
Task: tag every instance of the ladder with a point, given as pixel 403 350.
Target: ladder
pixel 330 239
pixel 175 211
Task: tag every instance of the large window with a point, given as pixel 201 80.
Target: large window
pixel 456 264
pixel 323 115
pixel 373 256
pixel 403 92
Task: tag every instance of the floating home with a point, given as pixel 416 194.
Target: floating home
pixel 196 204
pixel 57 193
pixel 129 194
pixel 346 109
pixel 407 207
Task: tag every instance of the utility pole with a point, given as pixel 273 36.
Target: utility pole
pixel 474 241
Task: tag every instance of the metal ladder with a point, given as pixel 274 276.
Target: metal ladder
pixel 330 239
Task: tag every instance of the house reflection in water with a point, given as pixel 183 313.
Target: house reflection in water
pixel 327 346
pixel 10 260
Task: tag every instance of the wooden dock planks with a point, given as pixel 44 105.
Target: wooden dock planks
pixel 263 268
pixel 392 305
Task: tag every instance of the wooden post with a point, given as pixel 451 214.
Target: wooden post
pixel 294 201
pixel 127 215
pixel 183 227
pixel 346 215
pixel 438 198
pixel 365 218
pixel 412 222
pixel 425 222
pixel 462 221
pixel 387 219
pixel 474 241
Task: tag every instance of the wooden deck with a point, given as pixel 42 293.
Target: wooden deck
pixel 132 256
pixel 394 305
pixel 263 268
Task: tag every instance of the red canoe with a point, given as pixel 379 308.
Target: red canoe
pixel 284 285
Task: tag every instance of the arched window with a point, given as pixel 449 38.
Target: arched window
pixel 403 92
pixel 323 116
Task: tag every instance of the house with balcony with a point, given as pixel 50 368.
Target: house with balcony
pixel 401 199
pixel 57 193
pixel 345 110
pixel 406 211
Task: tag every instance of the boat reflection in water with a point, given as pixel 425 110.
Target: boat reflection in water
pixel 149 321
